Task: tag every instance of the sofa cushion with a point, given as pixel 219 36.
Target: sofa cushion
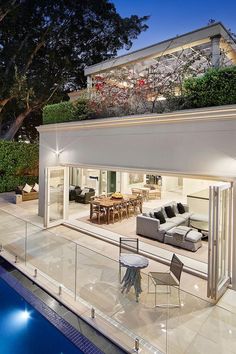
pixel 36 187
pixel 193 236
pixel 27 188
pixel 199 217
pixel 166 226
pixel 177 220
pixel 159 209
pixel 164 212
pixel 187 233
pixel 169 211
pixel 159 215
pixel 174 206
pixel 180 208
pixel 84 191
pixel 77 190
pixel 185 216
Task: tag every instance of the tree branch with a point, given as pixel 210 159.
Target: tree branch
pixel 4 13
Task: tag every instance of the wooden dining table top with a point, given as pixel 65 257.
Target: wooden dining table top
pixel 109 201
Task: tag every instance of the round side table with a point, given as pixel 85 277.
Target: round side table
pixel 132 277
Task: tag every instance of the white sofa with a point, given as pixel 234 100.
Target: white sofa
pixel 149 226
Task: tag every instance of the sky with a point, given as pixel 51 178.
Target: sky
pixel 169 18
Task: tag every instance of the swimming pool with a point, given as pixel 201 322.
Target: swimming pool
pixel 32 321
pixel 23 330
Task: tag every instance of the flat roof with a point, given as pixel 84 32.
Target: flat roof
pixel 196 114
pixel 193 38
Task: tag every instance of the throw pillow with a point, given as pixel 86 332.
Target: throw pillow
pixel 77 190
pixel 175 208
pixel 181 208
pixel 36 187
pixel 151 214
pixel 164 212
pixel 145 214
pixel 169 211
pixel 159 215
pixel 72 188
pixel 27 188
pixel 84 191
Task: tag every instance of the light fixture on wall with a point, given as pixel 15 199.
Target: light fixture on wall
pixel 58 152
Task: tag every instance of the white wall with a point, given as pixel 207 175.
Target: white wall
pixel 169 183
pixel 192 147
pixel 195 185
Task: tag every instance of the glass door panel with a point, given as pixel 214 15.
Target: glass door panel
pixel 56 195
pixel 219 240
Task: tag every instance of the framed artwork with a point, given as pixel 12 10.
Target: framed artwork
pixel 136 178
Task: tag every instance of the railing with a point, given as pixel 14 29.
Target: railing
pixel 90 279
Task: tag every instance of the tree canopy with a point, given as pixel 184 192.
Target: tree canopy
pixel 44 47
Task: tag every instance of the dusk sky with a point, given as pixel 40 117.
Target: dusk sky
pixel 171 17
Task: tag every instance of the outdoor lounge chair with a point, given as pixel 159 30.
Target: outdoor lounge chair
pixel 169 279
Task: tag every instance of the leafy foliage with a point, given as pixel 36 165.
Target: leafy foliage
pixel 108 98
pixel 66 112
pixel 215 88
pixel 18 164
pixel 44 47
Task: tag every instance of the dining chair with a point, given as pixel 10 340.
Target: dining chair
pixel 169 279
pixel 139 203
pixel 124 210
pixel 127 245
pixel 114 211
pixel 136 191
pixel 98 211
pixel 145 194
pixel 132 207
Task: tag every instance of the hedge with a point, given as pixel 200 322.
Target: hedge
pixel 215 88
pixel 66 112
pixel 18 162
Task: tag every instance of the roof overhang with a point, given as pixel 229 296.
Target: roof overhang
pixel 201 114
pixel 190 39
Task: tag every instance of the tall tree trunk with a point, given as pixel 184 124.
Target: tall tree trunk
pixel 9 135
pixel 3 102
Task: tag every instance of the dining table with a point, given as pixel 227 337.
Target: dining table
pixel 108 202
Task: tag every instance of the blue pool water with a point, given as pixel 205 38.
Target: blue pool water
pixel 23 330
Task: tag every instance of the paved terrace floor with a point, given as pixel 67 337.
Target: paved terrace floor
pixel 196 327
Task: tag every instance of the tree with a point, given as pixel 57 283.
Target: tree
pixel 152 86
pixel 44 47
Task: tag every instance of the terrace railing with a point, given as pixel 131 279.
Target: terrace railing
pixel 88 279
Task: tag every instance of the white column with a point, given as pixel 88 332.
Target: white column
pixel 124 180
pixel 89 82
pixel 118 181
pixel 215 51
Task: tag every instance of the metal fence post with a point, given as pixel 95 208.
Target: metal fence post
pixel 76 263
pixel 26 232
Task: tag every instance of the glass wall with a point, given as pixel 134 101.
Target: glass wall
pixel 101 181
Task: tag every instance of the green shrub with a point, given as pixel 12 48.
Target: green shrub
pixel 66 112
pixel 216 87
pixel 18 162
pixel 9 183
